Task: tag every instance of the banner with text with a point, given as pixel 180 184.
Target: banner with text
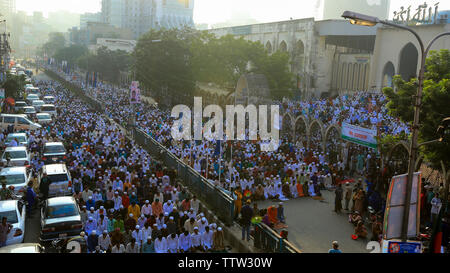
pixel 362 136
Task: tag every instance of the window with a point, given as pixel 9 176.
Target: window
pixel 13 179
pixel 55 178
pixel 10 215
pixel 15 154
pixel 54 149
pixel 9 120
pixel 61 211
pixel 23 121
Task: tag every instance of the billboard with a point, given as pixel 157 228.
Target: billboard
pixel 359 135
pixel 395 206
pixel 135 93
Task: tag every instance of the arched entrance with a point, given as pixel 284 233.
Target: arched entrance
pixel 286 128
pixel 298 57
pixel 269 47
pixel 388 74
pixel 333 144
pixel 408 62
pixel 316 137
pixel 301 133
pixel 283 47
pixel 398 159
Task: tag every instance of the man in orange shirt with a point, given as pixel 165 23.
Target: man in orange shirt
pixel 157 208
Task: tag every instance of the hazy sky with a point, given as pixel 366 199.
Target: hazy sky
pixel 216 11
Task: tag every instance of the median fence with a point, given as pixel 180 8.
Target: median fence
pixel 216 199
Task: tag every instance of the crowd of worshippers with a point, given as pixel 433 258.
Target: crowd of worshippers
pixel 129 202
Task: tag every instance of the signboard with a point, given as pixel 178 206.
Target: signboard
pixel 418 16
pixel 135 93
pixel 395 206
pixel 2 93
pixel 396 246
pixel 359 135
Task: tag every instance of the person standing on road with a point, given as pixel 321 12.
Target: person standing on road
pixel 5 193
pixel 246 217
pixel 348 195
pixel 335 248
pixel 338 199
pixel 5 229
pixel 44 186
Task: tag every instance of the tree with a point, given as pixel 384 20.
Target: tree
pixel 165 66
pixel 71 54
pixel 13 85
pixel 56 42
pixel 435 104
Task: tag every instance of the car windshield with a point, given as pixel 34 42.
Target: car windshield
pixel 36 102
pixel 54 149
pixel 11 216
pixel 29 110
pixel 13 179
pixel 58 177
pixel 20 104
pixel 61 211
pixel 48 108
pixel 15 154
pixel 19 138
pixel 43 117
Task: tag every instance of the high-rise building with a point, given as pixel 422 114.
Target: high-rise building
pixel 90 17
pixel 333 9
pixel 7 7
pixel 142 15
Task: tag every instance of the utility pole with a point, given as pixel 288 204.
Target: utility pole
pixel 5 51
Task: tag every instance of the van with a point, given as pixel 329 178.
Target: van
pixel 49 109
pixel 32 90
pixel 49 99
pixel 37 104
pixel 60 179
pixel 20 122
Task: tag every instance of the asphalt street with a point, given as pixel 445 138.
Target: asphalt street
pixel 313 226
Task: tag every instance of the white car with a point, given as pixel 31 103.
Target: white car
pixel 19 156
pixel 37 104
pixel 17 177
pixel 49 109
pixel 15 212
pixel 22 139
pixel 49 99
pixel 44 118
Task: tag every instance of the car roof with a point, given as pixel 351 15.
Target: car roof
pixel 48 105
pixel 54 169
pixel 18 148
pixel 28 107
pixel 13 170
pixel 61 201
pixel 21 248
pixel 38 101
pixel 16 135
pixel 20 101
pixel 43 114
pixel 49 97
pixel 8 205
pixel 54 144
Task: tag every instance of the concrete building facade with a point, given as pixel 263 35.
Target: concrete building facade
pixel 397 52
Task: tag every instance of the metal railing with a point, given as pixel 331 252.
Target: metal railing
pixel 268 240
pixel 217 200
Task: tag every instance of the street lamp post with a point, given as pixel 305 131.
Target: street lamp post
pixel 366 20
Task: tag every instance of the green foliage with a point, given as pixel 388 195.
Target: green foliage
pixel 162 62
pixel 71 54
pixel 13 85
pixel 56 42
pixel 106 62
pixel 435 104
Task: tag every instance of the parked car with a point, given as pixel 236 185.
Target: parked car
pixel 20 105
pixel 20 122
pixel 60 218
pixel 21 138
pixel 31 98
pixel 37 104
pixel 15 212
pixel 44 118
pixel 60 179
pixel 30 111
pixel 53 152
pixel 49 99
pixel 17 177
pixel 49 109
pixel 19 156
pixel 23 248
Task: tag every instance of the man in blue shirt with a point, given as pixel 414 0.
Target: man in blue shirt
pixel 335 248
